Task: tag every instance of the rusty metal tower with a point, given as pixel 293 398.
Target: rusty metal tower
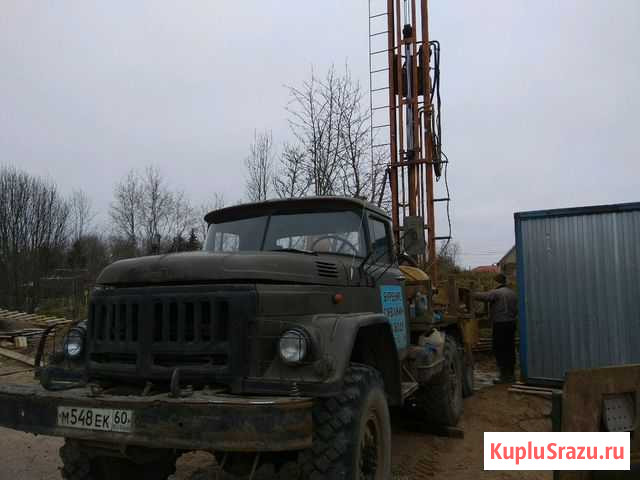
pixel 410 132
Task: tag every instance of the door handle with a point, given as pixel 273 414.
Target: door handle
pixel 401 278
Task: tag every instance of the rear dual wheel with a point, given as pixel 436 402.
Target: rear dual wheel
pixel 440 403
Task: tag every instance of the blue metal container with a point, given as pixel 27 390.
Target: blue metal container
pixel 578 273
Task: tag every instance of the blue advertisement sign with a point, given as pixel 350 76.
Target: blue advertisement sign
pixel 393 309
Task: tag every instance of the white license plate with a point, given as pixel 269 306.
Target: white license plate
pixel 104 419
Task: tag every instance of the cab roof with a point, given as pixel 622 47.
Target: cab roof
pixel 291 205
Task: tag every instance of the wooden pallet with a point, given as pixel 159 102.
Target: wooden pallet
pixel 35 319
pixel 18 357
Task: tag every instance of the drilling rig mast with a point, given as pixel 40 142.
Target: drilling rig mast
pixel 413 140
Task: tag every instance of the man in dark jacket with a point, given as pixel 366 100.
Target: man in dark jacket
pixel 503 313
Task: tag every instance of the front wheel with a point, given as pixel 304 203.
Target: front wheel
pixel 351 432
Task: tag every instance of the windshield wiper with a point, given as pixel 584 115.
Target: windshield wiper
pixel 294 250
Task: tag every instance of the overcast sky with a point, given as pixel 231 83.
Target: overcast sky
pixel 541 98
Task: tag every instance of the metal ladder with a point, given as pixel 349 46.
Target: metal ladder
pixel 385 52
pixel 379 82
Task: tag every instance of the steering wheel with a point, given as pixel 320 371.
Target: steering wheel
pixel 331 236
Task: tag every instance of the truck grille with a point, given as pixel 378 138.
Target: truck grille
pixel 147 336
pixel 114 323
pixel 190 322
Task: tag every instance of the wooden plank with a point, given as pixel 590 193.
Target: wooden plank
pixel 53 320
pixel 523 386
pixel 24 331
pixel 11 316
pixel 15 372
pixel 60 323
pixel 17 356
pixel 530 392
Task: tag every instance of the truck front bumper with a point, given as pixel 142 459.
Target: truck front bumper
pixel 202 421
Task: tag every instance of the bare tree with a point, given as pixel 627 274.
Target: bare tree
pixel 156 209
pixel 354 137
pixel 330 122
pixel 126 208
pixel 216 202
pixel 183 221
pixel 81 214
pixel 33 232
pixel 88 252
pixel 290 180
pixel 259 165
pixel 377 179
pixel 183 214
pixel 448 258
pixel 147 215
pixel 317 119
pixel 120 247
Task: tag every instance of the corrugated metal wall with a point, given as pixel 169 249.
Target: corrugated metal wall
pixel 579 282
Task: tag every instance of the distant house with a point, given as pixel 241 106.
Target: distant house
pixel 507 264
pixel 486 269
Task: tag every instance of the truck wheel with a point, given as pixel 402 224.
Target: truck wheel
pixel 440 403
pixel 467 377
pixel 79 464
pixel 351 431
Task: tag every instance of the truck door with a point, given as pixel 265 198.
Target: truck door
pixel 390 280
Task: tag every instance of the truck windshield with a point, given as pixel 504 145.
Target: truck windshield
pixel 338 233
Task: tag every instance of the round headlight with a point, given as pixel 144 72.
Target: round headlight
pixel 74 343
pixel 293 346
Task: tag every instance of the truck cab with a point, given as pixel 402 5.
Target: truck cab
pixel 289 332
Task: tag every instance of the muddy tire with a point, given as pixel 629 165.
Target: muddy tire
pixel 351 431
pixel 467 376
pixel 440 403
pixel 79 464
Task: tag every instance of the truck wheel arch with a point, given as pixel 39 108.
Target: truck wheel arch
pixel 373 344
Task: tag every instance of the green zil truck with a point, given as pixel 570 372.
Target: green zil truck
pixel 279 347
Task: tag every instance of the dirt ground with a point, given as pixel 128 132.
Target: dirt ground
pixel 416 455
